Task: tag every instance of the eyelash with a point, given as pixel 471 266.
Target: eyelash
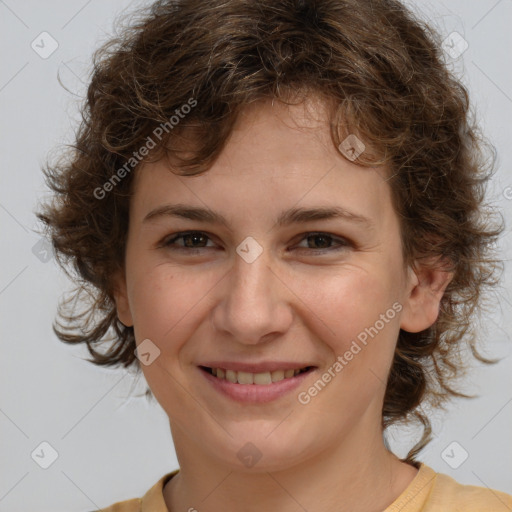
pixel 169 242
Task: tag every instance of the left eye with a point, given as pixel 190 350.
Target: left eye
pixel 194 240
pixel 325 240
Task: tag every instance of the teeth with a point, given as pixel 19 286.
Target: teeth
pixel 231 376
pixel 261 379
pixel 277 375
pixel 245 378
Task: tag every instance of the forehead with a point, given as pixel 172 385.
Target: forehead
pixel 277 156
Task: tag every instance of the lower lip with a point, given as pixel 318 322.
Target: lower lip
pixel 256 393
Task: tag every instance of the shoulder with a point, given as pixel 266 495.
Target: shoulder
pixel 133 505
pixel 448 494
pixel 152 501
pixel 434 492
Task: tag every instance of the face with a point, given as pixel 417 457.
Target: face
pixel 269 289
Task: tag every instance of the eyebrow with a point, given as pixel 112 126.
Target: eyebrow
pixel 288 217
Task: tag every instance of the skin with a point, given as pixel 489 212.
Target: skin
pixel 290 304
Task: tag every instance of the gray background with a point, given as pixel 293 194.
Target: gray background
pixel 111 444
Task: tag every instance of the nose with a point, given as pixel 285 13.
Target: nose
pixel 254 303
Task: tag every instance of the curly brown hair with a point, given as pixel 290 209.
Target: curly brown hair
pixel 382 71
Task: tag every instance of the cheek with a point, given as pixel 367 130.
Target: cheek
pixel 365 316
pixel 164 299
pixel 350 302
pixel 360 343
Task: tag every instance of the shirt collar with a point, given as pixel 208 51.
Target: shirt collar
pixel 153 500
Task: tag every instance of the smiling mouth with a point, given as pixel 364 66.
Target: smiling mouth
pixel 263 378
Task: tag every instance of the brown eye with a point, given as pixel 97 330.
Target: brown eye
pixel 322 242
pixel 191 240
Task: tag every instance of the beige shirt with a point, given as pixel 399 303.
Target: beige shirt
pixel 428 492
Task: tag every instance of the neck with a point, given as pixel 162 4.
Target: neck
pixel 353 476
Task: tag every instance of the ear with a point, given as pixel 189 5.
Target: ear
pixel 425 289
pixel 121 299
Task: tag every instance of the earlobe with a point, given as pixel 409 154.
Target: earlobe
pixel 121 299
pixel 424 293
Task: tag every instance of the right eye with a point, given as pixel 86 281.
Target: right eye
pixel 191 239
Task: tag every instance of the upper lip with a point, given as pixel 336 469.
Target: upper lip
pixel 262 367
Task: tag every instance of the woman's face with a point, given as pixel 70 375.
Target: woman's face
pixel 272 289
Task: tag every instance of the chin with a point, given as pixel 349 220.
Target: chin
pixel 266 450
